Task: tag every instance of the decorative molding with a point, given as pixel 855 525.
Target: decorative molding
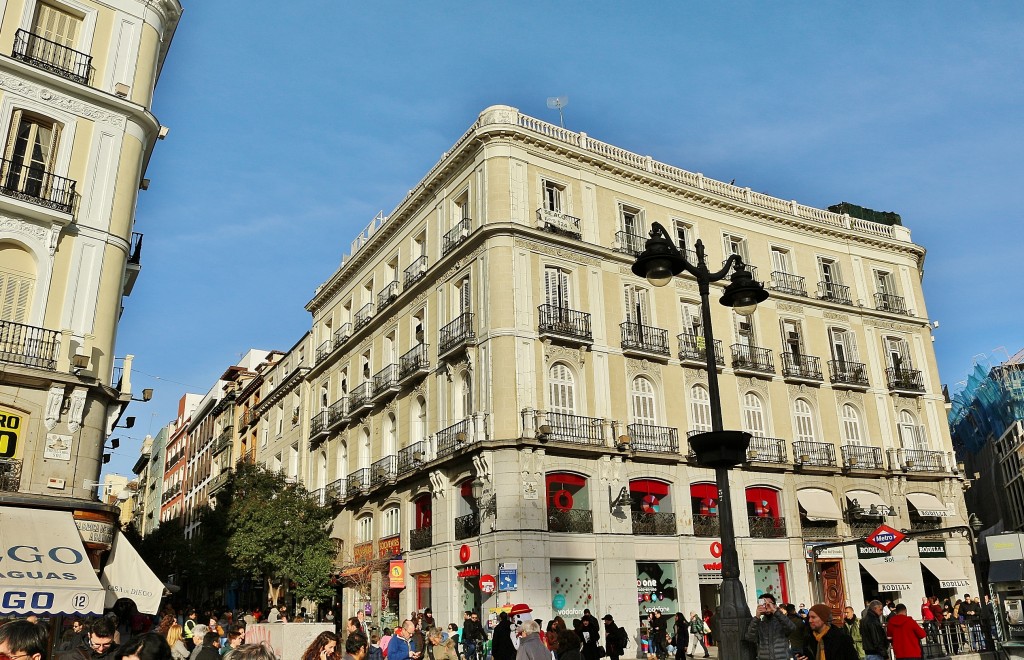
pixel 797 390
pixel 577 356
pixel 892 325
pixel 897 488
pixel 694 376
pixel 836 316
pixel 51 98
pixel 789 307
pixel 752 384
pixel 561 253
pixel 437 484
pixel 76 409
pixel 849 395
pixel 686 286
pixel 636 367
pixel 54 402
pixel 419 390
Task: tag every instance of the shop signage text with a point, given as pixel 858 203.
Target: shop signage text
pixel 396 574
pixel 10 431
pixel 469 572
pixel 931 549
pixel 389 547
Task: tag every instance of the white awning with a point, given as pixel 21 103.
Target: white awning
pixel 927 505
pixel 45 569
pixel 338 528
pixel 126 575
pixel 865 499
pixel 818 504
pixel 890 575
pixel 950 575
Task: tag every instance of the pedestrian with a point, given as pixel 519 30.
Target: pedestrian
pixel 681 635
pixel 236 637
pixel 101 642
pixel 23 640
pixel 322 648
pixel 531 646
pixel 455 635
pixel 147 646
pixel 769 630
pixel 472 634
pixel 373 651
pixel 398 647
pixel 657 626
pixel 385 641
pixel 697 635
pixel 799 632
pixel 428 619
pixel 905 633
pixel 438 648
pixel 178 649
pixel 502 647
pixel 614 638
pixel 210 649
pixel 253 652
pixel 851 624
pixel 594 624
pixel 872 632
pixel 188 629
pixel 568 645
pixel 826 642
pixel 199 633
pixel 356 646
pixel 587 633
pixel 74 637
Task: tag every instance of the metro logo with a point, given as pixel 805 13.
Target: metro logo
pixel 885 538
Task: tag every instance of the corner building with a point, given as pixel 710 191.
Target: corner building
pixel 491 385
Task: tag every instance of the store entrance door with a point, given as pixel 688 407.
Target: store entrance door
pixel 832 587
pixel 710 599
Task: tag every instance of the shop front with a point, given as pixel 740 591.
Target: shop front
pixel 572 588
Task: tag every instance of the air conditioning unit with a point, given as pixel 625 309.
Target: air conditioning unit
pixel 804 458
pixel 751 454
pixel 121 90
pixel 853 460
pixel 418 456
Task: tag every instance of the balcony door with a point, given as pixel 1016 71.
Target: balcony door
pixel 556 287
pixel 781 262
pixel 562 390
pixel 30 152
pixel 793 340
pixel 637 305
pixel 56 25
pixel 17 282
pixel 898 354
pixel 843 348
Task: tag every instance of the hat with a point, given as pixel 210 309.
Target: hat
pixel 823 611
pixel 607 617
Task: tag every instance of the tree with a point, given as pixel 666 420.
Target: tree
pixel 279 531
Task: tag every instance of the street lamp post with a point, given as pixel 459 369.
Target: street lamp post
pixel 660 261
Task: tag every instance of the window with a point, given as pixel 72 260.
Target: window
pixel 700 409
pixel 275 465
pixel 423 512
pixel 364 362
pixel 898 353
pixel 418 327
pixel 325 396
pixel 803 418
pixel 734 245
pixel 293 461
pixel 17 280
pixel 684 235
pixel 781 261
pixel 567 492
pixel 364 529
pixel 418 420
pixel 389 349
pixel 462 207
pixel 842 345
pixel 390 437
pixel 556 287
pixel 851 425
pixel 637 306
pixel 828 269
pixel 745 335
pixel 31 150
pixel 644 408
pixel 465 296
pixel 692 322
pixel 419 245
pixel 885 283
pixel 464 402
pixel 562 389
pixel 630 218
pixel 792 339
pixel 391 522
pixel 341 462
pixel 553 196
pixel 753 415
pixel 280 418
pixel 56 24
pixel 649 496
pixel 364 450
pixel 911 434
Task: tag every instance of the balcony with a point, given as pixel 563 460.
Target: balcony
pixel 832 292
pixel 653 439
pixel 220 481
pixel 361 398
pixel 357 482
pixel 457 236
pixel 414 364
pixel 904 380
pixel 572 429
pixel 33 184
pixel 814 454
pixel 342 334
pixel 467 526
pixel 335 491
pixel 644 339
pixel 564 323
pixel 247 418
pixel 557 222
pixel 170 493
pixel 454 438
pixel 318 426
pixel 752 359
pixel 51 56
pixel 134 264
pixel 10 475
pixel 750 269
pixel 852 375
pixel 384 471
pixel 859 457
pixel 411 457
pixel 819 530
pixel 337 414
pixel 801 368
pixel 362 318
pixel 921 460
pixel 28 345
pixel 420 538
pixel 766 527
pixel 385 381
pixel 323 351
pixel 416 270
pixel 658 523
pixel 923 525
pixel 387 295
pixel 767 450
pixel 224 440
pixel 457 334
pixel 692 350
pixel 887 302
pixel 630 244
pixel 787 283
pixel 706 525
pixel 573 521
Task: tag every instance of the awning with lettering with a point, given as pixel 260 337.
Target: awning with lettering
pixel 818 504
pixel 927 505
pixel 44 567
pixel 890 575
pixel 950 575
pixel 126 575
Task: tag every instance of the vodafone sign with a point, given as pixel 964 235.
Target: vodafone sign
pixel 885 538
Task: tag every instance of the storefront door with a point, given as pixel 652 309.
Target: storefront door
pixel 832 587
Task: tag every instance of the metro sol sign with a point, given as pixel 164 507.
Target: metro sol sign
pixel 885 538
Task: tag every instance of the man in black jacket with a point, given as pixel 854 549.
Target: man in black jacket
pixel 872 633
pixel 502 647
pixel 472 634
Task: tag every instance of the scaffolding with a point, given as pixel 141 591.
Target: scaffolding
pixel 990 401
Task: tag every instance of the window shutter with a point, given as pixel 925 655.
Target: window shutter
pixel 12 137
pixel 779 261
pixel 57 25
pixel 642 309
pixel 15 297
pixel 465 297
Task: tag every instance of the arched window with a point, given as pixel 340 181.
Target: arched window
pixel 321 470
pixel 390 522
pixel 423 509
pixel 704 506
pixel 753 415
pixel 649 496
pixel 341 462
pixel 566 493
pixel 418 420
pixel 364 450
pixel 364 529
pixel 324 396
pixel 803 418
pixel 562 389
pixel 644 410
pixel 851 425
pixel 700 409
pixel 390 439
pixel 762 502
pixel 464 398
pixel 17 281
pixel 911 433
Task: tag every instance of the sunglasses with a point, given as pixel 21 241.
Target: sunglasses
pixel 4 656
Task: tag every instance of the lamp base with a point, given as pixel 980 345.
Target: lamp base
pixel 720 448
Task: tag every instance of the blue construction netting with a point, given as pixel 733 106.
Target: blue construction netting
pixel 991 400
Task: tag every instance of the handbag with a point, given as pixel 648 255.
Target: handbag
pixel 600 652
pixel 707 628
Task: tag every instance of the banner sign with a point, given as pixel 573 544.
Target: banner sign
pixel 389 547
pixel 396 574
pixel 12 427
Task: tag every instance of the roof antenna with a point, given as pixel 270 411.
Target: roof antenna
pixel 558 102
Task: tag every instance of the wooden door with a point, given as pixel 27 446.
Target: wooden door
pixel 832 588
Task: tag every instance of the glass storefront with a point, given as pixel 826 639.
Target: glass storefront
pixel 656 588
pixel 770 578
pixel 572 588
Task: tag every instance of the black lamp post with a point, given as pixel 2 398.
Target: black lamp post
pixel 660 261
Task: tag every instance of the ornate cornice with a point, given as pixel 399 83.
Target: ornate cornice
pixel 53 99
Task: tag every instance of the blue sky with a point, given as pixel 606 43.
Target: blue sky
pixel 292 128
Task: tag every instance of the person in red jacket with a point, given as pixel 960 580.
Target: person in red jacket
pixel 905 633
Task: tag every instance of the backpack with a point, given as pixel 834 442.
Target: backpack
pixel 623 637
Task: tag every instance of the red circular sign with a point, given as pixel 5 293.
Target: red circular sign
pixel 488 584
pixel 464 554
pixel 716 549
pixel 562 500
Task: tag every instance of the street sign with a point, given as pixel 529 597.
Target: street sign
pixel 885 538
pixel 508 577
pixel 487 584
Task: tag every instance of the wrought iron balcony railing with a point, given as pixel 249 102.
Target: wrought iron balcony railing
pixel 573 429
pixel 802 367
pixel 558 223
pixel 921 460
pixel 10 475
pixel 467 526
pixel 766 527
pixel 459 233
pixel 818 454
pixel 420 538
pixel 644 339
pixel 909 380
pixel 844 372
pixel 767 450
pixel 385 381
pixel 456 334
pixel 692 350
pixel 323 351
pixel 453 438
pixel 135 249
pixel 342 334
pixel 387 295
pixel 224 440
pixel 170 493
pixel 416 270
pixel 219 481
pixel 356 482
pixel 565 322
pixel 657 523
pixel 362 317
pixel 752 358
pixel 573 521
pixel 336 490
pixel 787 283
pixel 920 525
pixel 706 526
pixel 415 362
pixel 361 398
pixel 337 414
pixel 51 56
pixel 750 269
pixel 859 457
pixel 318 425
pixel 832 292
pixel 888 302
pixel 33 184
pixel 655 439
pixel 384 471
pixel 411 457
pixel 819 529
pixel 247 417
pixel 630 244
pixel 28 345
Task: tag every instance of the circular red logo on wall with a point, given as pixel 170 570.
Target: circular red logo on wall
pixel 488 584
pixel 464 554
